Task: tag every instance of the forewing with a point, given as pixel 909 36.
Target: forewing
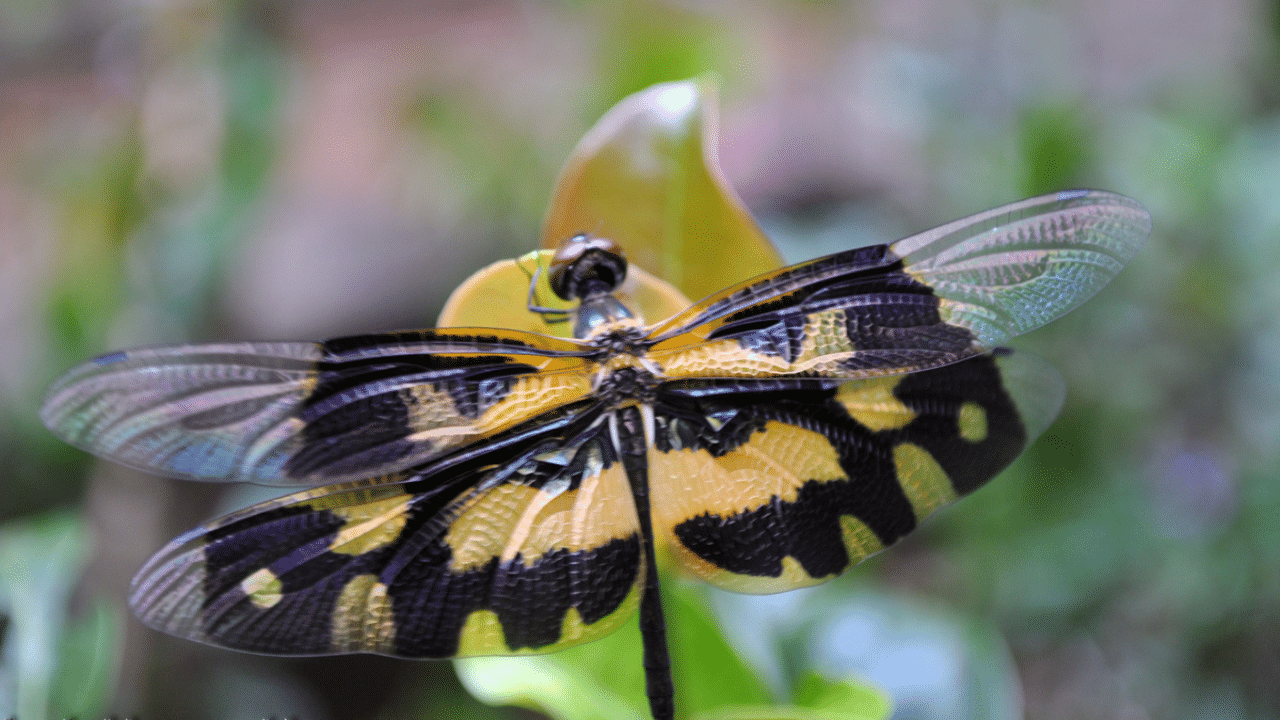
pixel 769 486
pixel 528 545
pixel 310 413
pixel 922 302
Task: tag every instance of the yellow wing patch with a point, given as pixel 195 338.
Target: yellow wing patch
pixel 922 478
pixel 362 618
pixel 718 358
pixel 369 526
pixel 534 394
pixel 821 350
pixel 263 588
pixel 861 542
pixel 435 419
pixel 482 635
pixel 773 465
pixel 973 422
pixel 873 403
pixel 513 519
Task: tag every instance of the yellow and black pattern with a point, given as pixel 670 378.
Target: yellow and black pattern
pixel 761 489
pixel 462 558
pixel 306 413
pixel 501 492
pixel 853 315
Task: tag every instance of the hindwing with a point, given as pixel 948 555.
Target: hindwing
pixel 530 544
pixel 765 487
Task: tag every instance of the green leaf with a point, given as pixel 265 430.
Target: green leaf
pixel 51 663
pixel 569 685
pixel 549 687
pixel 817 698
pixel 786 712
pixel 708 673
pixel 87 666
pixel 844 697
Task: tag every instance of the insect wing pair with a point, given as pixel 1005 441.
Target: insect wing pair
pixel 481 492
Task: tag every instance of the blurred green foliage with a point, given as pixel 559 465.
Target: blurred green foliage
pixel 1125 567
pixel 56 663
pixel 603 680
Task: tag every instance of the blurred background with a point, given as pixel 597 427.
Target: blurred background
pixel 200 169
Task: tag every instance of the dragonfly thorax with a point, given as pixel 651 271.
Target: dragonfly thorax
pixel 627 384
pixel 607 322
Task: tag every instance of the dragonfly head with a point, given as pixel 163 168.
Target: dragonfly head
pixel 589 269
pixel 585 267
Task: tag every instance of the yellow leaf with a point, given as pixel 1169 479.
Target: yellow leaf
pixel 647 177
pixel 497 296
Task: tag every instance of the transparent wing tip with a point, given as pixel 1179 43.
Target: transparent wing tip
pixel 1036 387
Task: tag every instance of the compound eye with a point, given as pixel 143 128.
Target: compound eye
pixel 584 266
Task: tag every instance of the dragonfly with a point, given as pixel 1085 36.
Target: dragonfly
pixel 464 491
